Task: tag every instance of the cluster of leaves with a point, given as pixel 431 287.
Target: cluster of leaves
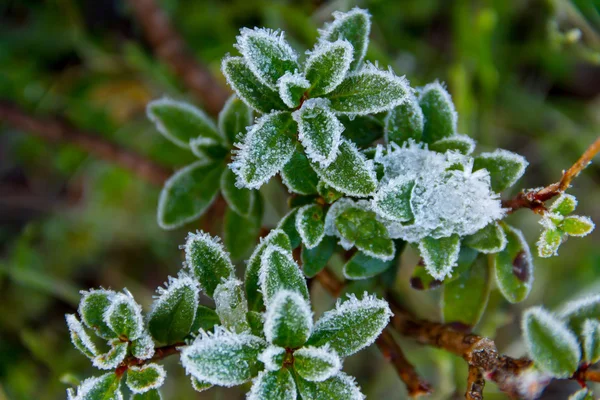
pixel 560 343
pixel 270 339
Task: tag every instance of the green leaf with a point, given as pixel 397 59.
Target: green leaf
pixel 205 319
pixel 145 378
pixel 367 233
pixel 143 347
pixel 113 357
pixel 319 130
pixel 174 310
pixel 327 65
pixel 267 54
pixel 288 321
pixel 490 239
pixel 513 266
pixel 564 205
pixel 582 394
pixel 246 85
pixel 267 147
pixel 577 311
pixel 577 226
pixel 552 346
pixel 464 299
pixel 315 259
pixel 350 173
pixel 440 255
pixel 369 91
pixel 274 357
pixel 234 118
pixel 92 307
pixel 273 385
pixel 153 394
pixel 505 167
pixel 549 242
pixel 438 111
pixel 188 193
pixel 362 131
pixel 310 224
pixel 292 88
pixel 458 143
pixel 200 386
pixel 328 193
pixel 288 225
pixel 279 271
pixel 80 338
pixel 353 26
pixel 298 176
pixel 392 200
pixel 231 305
pixel 224 358
pixel 255 320
pixel 404 122
pixel 207 150
pixel 338 387
pixel 103 387
pixel 181 122
pixel 124 317
pixel 362 266
pixel 352 325
pixel 316 363
pixel 241 200
pixel 591 340
pixel 240 234
pixel 207 260
pixel 276 237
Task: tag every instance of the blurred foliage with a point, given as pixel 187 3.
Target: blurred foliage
pixel 524 75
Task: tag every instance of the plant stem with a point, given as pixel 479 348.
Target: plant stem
pixel 475 384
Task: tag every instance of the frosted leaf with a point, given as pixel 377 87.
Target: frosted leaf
pixel 353 325
pixel 288 321
pixel 267 53
pixel 319 131
pixel 256 322
pixel 362 266
pixel 144 378
pixel 92 307
pixel 462 144
pixel 173 311
pixel 152 394
pixel 310 224
pixel 143 347
pixel 410 161
pixel 576 225
pixel 577 311
pixel 273 357
pixel 552 346
pixel 327 66
pixel 240 200
pixel 207 260
pixel 292 88
pixel 590 334
pixel 368 234
pixel 181 122
pixel 404 122
pixel 315 259
pixel 392 200
pixel 231 305
pixel 316 363
pixel 223 358
pixel 549 242
pixel 279 271
pixel 267 147
pixel 338 387
pixel 487 240
pixel 288 225
pixel 246 85
pixel 234 118
pixel 200 386
pixel 369 91
pixel 505 167
pixel 582 394
pixel 564 205
pixel 80 338
pixel 328 193
pixel 513 266
pixel 336 209
pixel 124 316
pixel 188 193
pixel 115 355
pixel 298 176
pixel 207 149
pixel 350 173
pixel 440 255
pixel 438 111
pixel 101 387
pixel 276 237
pixel 353 26
pixel 270 385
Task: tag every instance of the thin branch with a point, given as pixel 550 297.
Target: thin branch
pixel 58 130
pixel 172 50
pixel 475 384
pixel 535 199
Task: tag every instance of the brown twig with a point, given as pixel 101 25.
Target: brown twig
pixel 535 199
pixel 172 50
pixel 475 384
pixel 58 130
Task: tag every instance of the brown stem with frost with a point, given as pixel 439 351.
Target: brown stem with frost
pixel 475 384
pixel 172 50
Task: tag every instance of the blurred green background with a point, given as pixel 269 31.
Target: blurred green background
pixel 524 75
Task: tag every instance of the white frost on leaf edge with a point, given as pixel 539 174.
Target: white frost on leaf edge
pixel 437 85
pixel 510 156
pixel 225 110
pixel 268 357
pixel 160 380
pixel 111 359
pixel 126 298
pixel 288 390
pixel 76 330
pixel 586 220
pixel 577 307
pixel 88 385
pixel 461 138
pixel 444 270
pixel 309 243
pixel 383 190
pixel 288 79
pixel 84 295
pixel 213 242
pixel 172 284
pixel 322 48
pixel 339 18
pixel 272 319
pixel 323 353
pixel 338 208
pixel 264 264
pixel 143 347
pixel 563 197
pixel 590 338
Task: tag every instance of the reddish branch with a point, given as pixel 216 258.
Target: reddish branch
pixel 172 50
pixel 535 199
pixel 58 130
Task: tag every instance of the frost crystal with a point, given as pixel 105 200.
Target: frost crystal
pixel 272 357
